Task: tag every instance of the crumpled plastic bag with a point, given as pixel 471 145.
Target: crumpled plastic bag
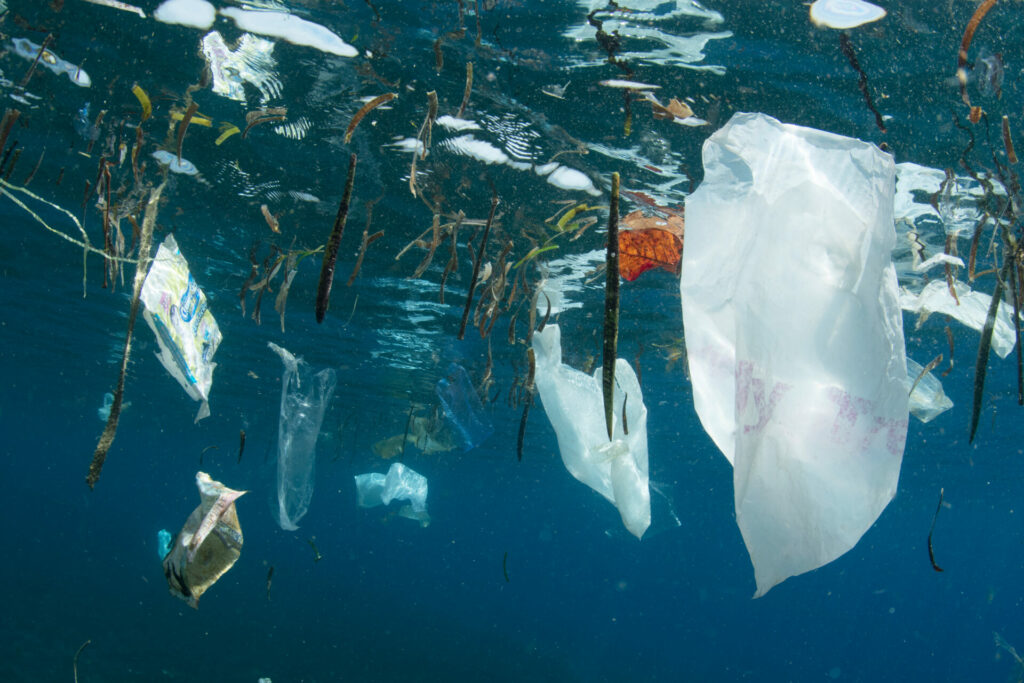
pixel 208 545
pixel 400 483
pixel 574 404
pixel 176 311
pixel 970 308
pixel 304 398
pixel 927 400
pixel 794 335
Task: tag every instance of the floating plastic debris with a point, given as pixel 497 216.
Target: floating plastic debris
pixel 304 398
pixel 116 4
pixel 795 341
pixel 927 400
pixel 194 13
pixel 616 468
pixel 452 123
pixel 28 50
pixel 970 308
pixel 177 166
pixel 251 61
pixel 400 483
pixel 177 312
pixel 843 14
pixel 463 408
pixel 163 543
pixel 290 28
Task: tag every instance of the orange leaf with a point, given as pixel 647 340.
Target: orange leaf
pixel 646 248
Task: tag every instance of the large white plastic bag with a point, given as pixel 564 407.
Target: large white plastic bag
pixel 304 397
pixel 794 335
pixel 574 403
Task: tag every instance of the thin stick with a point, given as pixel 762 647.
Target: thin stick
pixel 78 652
pixel 141 270
pixel 323 292
pixel 364 110
pixel 611 308
pixel 468 90
pixel 476 267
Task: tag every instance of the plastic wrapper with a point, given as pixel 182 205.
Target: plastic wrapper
pixel 208 545
pixel 927 400
pixel 462 408
pixel 794 336
pixel 574 404
pixel 176 311
pixel 304 398
pixel 970 308
pixel 400 483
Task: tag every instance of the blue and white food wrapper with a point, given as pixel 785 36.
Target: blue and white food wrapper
pixel 177 312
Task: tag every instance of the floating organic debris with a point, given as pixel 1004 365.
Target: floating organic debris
pixel 141 270
pixel 255 118
pixel 364 110
pixel 227 130
pixel 961 57
pixel 476 267
pixel 931 552
pixel 466 92
pixel 650 242
pixel 847 47
pixel 84 645
pixel 271 219
pixel 323 293
pixel 241 444
pixel 611 309
pixel 270 578
pixel 147 106
pixel 423 138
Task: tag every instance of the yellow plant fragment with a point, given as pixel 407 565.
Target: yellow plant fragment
pixel 227 130
pixel 140 94
pixel 196 120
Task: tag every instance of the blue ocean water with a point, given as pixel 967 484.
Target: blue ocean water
pixel 523 572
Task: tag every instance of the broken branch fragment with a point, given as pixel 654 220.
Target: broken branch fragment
pixel 323 292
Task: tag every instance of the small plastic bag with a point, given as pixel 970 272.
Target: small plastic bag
pixel 462 408
pixel 400 483
pixel 927 400
pixel 794 335
pixel 574 404
pixel 304 398
pixel 176 311
pixel 208 545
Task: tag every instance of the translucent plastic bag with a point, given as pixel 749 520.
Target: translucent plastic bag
pixel 304 398
pixel 400 483
pixel 462 408
pixel 794 335
pixel 574 403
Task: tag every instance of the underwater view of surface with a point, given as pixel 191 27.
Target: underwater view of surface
pixel 345 240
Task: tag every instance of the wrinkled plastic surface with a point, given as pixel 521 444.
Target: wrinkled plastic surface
pixel 970 308
pixel 400 483
pixel 209 543
pixel 462 408
pixel 794 336
pixel 176 311
pixel 304 398
pixel 928 400
pixel 574 404
pixel 163 543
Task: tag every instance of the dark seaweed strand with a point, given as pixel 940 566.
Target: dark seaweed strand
pixel 504 566
pixel 241 444
pixel 847 47
pixel 1014 280
pixel 141 270
pixel 528 390
pixel 10 116
pixel 35 169
pixel 78 652
pixel 408 423
pixel 611 307
pixel 323 290
pixel 931 552
pixel 984 346
pixel 476 267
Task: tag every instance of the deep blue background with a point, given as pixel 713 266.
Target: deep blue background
pixel 391 600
